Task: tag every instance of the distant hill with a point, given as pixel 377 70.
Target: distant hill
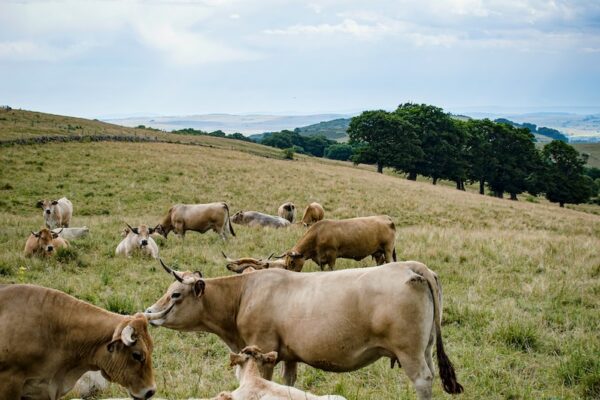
pixel 334 129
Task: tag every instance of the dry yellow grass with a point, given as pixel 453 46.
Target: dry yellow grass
pixel 521 280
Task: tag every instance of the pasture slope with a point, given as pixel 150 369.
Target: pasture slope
pixel 521 280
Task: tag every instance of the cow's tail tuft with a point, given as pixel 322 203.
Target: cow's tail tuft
pixel 230 226
pixel 394 254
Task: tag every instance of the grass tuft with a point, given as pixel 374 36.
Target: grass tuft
pixel 120 304
pixel 520 336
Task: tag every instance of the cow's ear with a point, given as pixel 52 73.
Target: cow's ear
pixel 295 254
pixel 270 358
pixel 199 286
pixel 236 359
pixel 36 234
pixel 54 202
pixel 114 344
pixel 198 273
pixel 54 235
pixel 40 204
pixel 150 231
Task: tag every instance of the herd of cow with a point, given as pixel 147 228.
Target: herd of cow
pixel 268 313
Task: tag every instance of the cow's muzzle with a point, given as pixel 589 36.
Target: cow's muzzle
pixel 47 212
pixel 144 243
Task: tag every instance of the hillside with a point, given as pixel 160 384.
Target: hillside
pixel 592 150
pixel 334 129
pixel 516 322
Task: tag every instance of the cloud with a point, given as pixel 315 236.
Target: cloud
pixel 23 50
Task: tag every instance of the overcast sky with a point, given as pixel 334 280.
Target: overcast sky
pixel 109 58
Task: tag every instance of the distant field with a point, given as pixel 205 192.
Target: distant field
pixel 592 150
pixel 521 280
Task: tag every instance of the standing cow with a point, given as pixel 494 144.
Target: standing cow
pixel 44 243
pixel 335 321
pixel 354 238
pixel 313 213
pixel 57 213
pixel 197 217
pixel 49 339
pixel 287 211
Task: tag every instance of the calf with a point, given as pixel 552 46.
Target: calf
pixel 49 339
pixel 197 217
pixel 57 213
pixel 354 238
pixel 313 213
pixel 137 239
pixel 44 243
pixel 250 361
pixel 287 211
pixel 255 218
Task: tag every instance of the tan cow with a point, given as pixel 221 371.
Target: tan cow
pixel 255 218
pixel 44 243
pixel 244 264
pixel 287 211
pixel 313 213
pixel 57 213
pixel 137 240
pixel 49 339
pixel 251 361
pixel 354 238
pixel 336 321
pixel 197 217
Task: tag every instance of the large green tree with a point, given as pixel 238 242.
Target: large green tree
pixel 479 153
pixel 565 179
pixel 384 139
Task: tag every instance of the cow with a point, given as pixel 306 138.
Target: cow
pixel 255 218
pixel 44 243
pixel 197 217
pixel 57 213
pixel 313 213
pixel 354 238
pixel 242 265
pixel 137 239
pixel 49 339
pixel 336 321
pixel 250 361
pixel 72 233
pixel 287 211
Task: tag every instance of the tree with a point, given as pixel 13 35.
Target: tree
pixel 384 139
pixel 479 153
pixel 565 178
pixel 341 151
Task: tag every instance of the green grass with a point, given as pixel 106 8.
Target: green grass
pixel 521 279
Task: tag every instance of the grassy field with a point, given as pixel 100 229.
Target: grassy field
pixel 521 280
pixel 593 152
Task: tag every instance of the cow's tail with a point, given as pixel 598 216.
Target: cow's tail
pixel 394 254
pixel 447 374
pixel 229 225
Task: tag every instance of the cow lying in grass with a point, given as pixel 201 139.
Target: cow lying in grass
pixel 72 233
pixel 44 243
pixel 137 240
pixel 287 211
pixel 250 361
pixel 255 218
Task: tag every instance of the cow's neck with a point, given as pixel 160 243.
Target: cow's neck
pixel 249 371
pixel 220 305
pixel 306 246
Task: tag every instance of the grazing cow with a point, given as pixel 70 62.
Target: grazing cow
pixel 336 321
pixel 287 211
pixel 197 217
pixel 242 265
pixel 250 362
pixel 49 339
pixel 137 239
pixel 354 238
pixel 313 213
pixel 72 233
pixel 57 213
pixel 255 218
pixel 44 243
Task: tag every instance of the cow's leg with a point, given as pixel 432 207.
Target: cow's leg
pixel 379 258
pixel 419 373
pixel 290 370
pixel 389 254
pixel 267 371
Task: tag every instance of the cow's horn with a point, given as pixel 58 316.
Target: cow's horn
pixel 130 228
pixel 170 271
pixel 224 255
pixel 272 254
pixel 127 336
pixel 281 256
pixel 158 315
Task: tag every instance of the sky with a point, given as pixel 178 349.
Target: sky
pixel 100 59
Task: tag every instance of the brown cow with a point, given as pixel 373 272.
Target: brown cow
pixel 197 217
pixel 57 213
pixel 250 362
pixel 287 211
pixel 241 265
pixel 44 243
pixel 336 321
pixel 313 213
pixel 49 339
pixel 354 238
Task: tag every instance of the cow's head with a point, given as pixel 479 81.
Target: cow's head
pixel 292 260
pixel 47 206
pixel 242 264
pixel 142 233
pixel 161 230
pixel 179 305
pixel 127 358
pixel 44 240
pixel 238 217
pixel 253 355
pixel 289 207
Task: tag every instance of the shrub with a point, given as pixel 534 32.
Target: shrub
pixel 6 270
pixel 288 154
pixel 66 254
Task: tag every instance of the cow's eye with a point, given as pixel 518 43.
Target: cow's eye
pixel 176 295
pixel 137 356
